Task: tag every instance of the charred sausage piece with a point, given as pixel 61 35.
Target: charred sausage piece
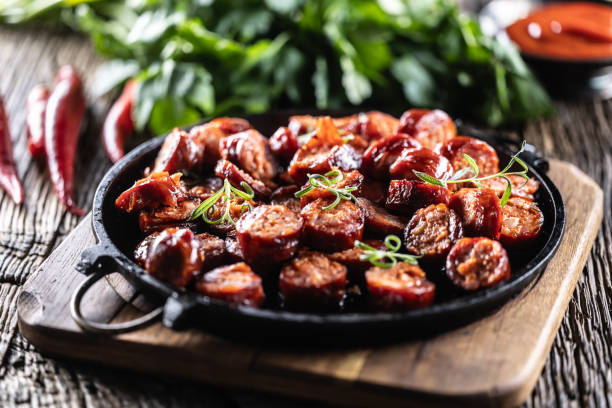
pixel 232 247
pixel 249 150
pixel 213 250
pixel 432 232
pixel 300 124
pixel 429 127
pixel 384 152
pixel 374 191
pixel 173 256
pixel 160 218
pixel 351 179
pixel 229 126
pixel 519 187
pixel 521 222
pixel 178 152
pixel 334 229
pixel 423 160
pixel 378 221
pixel 351 258
pixel 377 125
pixel 153 191
pixel 402 287
pixel 475 263
pixel 285 195
pixel 269 234
pixel 284 144
pixel 406 196
pixel 482 153
pixel 207 136
pixel 228 170
pixel 206 188
pixel 142 249
pixel 345 158
pixel 238 207
pixel 479 210
pixel 314 156
pixel 312 280
pixel 235 284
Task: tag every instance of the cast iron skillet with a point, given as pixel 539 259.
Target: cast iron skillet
pixel 117 235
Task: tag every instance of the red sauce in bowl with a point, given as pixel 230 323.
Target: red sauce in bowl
pixel 575 31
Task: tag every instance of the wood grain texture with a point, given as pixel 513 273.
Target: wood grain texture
pixel 579 368
pixel 492 362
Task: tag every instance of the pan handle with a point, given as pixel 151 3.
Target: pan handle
pixel 96 263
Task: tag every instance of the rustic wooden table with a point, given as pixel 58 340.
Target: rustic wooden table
pixel 578 371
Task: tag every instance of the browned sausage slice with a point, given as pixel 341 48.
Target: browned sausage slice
pixel 156 190
pixel 374 191
pixel 269 234
pixel 284 144
pixel 402 287
pixel 382 154
pixel 345 158
pixel 141 252
pixel 475 263
pixel 249 150
pixel 521 222
pixel 228 170
pixel 351 258
pixel 429 127
pixel 407 196
pixel 519 187
pixel 285 195
pixel 378 221
pixel 334 229
pixel 207 136
pixel 482 153
pixel 312 280
pixel 167 216
pixel 432 232
pixel 479 210
pixel 351 179
pixel 235 284
pixel 178 152
pixel 423 160
pixel 213 250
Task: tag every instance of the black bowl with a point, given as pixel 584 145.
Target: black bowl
pixel 118 233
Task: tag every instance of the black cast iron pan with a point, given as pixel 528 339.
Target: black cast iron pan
pixel 118 234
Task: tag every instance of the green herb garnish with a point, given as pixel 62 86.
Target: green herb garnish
pixel 377 256
pixel 473 168
pixel 326 181
pixel 225 194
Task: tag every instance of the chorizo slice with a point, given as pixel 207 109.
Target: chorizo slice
pixel 384 152
pixel 212 248
pixel 401 287
pixel 158 189
pixel 157 219
pixel 206 188
pixel 374 191
pixel 269 234
pixel 351 258
pixel 351 179
pixel 406 196
pixel 429 127
pixel 522 222
pixel 519 187
pixel 233 250
pixel 301 124
pixel 482 153
pixel 333 229
pixel 229 125
pixel 142 249
pixel 285 195
pixel 178 152
pixel 312 280
pixel 475 263
pixel 345 157
pixel 284 144
pixel 235 284
pixel 207 136
pixel 238 207
pixel 173 257
pixel 423 160
pixel 228 170
pixel 432 232
pixel 249 150
pixel 378 221
pixel 479 210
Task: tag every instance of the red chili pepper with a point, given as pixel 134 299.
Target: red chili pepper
pixel 118 125
pixel 35 120
pixel 65 111
pixel 8 173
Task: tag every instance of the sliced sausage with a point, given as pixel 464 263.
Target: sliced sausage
pixel 249 150
pixel 232 247
pixel 300 124
pixel 174 257
pixel 479 210
pixel 378 221
pixel 423 160
pixel 158 189
pixel 351 258
pixel 178 152
pixel 351 179
pixel 285 195
pixel 206 188
pixel 141 252
pixel 402 287
pixel 160 218
pixel 406 196
pixel 345 157
pixel 312 280
pixel 429 127
pixel 207 136
pixel 519 187
pixel 235 284
pixel 229 126
pixel 238 207
pixel 228 170
pixel 432 232
pixel 521 222
pixel 475 263
pixel 334 229
pixel 382 154
pixel 374 191
pixel 482 153
pixel 269 234
pixel 213 249
pixel 284 144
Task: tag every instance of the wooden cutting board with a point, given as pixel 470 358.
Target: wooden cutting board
pixel 492 362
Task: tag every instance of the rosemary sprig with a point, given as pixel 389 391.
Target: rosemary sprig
pixel 326 182
pixel 377 256
pixel 473 168
pixel 225 194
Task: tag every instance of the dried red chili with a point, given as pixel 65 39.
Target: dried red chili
pixel 118 125
pixel 8 173
pixel 35 120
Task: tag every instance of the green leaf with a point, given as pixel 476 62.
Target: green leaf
pixel 472 164
pixel 356 86
pixel 418 84
pixel 507 193
pixel 169 113
pixel 321 83
pixel 427 178
pixel 284 6
pixel 112 74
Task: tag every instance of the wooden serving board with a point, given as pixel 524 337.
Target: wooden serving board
pixel 492 362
